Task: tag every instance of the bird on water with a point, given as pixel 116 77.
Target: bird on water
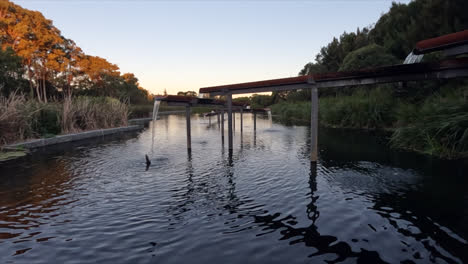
pixel 148 162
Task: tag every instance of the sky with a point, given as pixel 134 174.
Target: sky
pixel 186 45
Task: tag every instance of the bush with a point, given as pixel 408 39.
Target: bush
pixel 362 109
pixel 46 121
pixel 292 113
pixel 141 111
pixel 367 57
pixel 87 113
pixel 439 127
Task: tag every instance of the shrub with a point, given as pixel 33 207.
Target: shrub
pixel 86 113
pixel 439 127
pixel 362 109
pixel 141 111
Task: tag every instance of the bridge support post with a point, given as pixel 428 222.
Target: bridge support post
pixel 234 121
pixel 187 117
pixel 255 120
pixel 222 126
pixel 314 126
pixel 217 114
pixel 242 119
pixel 229 105
pixel 209 120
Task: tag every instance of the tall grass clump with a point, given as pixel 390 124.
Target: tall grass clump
pixel 292 113
pixel 22 119
pixel 439 127
pixel 88 113
pixel 362 109
pixel 13 123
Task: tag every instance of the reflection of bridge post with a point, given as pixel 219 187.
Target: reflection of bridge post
pixel 229 106
pixel 255 119
pixel 312 212
pixel 242 119
pixel 222 126
pixel 187 117
pixel 314 125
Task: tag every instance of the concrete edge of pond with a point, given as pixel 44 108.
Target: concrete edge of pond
pixel 43 142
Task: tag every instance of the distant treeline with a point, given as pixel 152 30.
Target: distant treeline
pixel 38 61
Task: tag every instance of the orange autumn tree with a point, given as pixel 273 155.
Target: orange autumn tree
pixel 54 64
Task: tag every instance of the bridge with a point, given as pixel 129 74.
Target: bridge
pixel 450 46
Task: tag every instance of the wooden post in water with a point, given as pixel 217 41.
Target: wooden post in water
pixel 314 126
pixel 187 117
pixel 222 126
pixel 218 118
pixel 255 120
pixel 234 121
pixel 229 105
pixel 242 119
pixel 209 120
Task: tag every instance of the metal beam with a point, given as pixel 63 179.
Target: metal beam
pixel 263 89
pixel 353 81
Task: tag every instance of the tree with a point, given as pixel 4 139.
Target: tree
pixel 367 57
pixel 11 72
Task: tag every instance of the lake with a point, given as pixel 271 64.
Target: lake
pixel 95 202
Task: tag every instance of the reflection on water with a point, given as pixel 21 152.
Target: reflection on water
pixel 263 202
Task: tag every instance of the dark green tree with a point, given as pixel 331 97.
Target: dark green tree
pixel 11 73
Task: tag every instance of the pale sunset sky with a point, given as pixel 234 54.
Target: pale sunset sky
pixel 185 45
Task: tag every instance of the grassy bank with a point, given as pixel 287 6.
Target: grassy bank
pixel 436 125
pixel 22 119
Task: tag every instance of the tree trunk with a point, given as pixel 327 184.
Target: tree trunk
pixel 38 92
pixel 44 88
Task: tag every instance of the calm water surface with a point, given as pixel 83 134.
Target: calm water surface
pixel 265 203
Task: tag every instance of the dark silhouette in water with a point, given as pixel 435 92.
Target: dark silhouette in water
pixel 148 162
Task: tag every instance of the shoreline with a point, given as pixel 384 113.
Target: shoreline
pixel 44 142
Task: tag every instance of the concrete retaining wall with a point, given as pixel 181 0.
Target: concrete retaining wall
pixel 139 121
pixel 37 143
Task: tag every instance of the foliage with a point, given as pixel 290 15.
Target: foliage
pixel 367 57
pixel 54 64
pixel 141 111
pixel 244 99
pixel 11 72
pixel 87 113
pixel 396 31
pixel 438 127
pixel 260 100
pixel 188 93
pixel 22 119
pixel 292 113
pixel 367 109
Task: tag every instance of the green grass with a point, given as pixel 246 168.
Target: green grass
pixel 436 126
pixel 362 109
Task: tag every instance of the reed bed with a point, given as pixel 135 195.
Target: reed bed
pixel 22 119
